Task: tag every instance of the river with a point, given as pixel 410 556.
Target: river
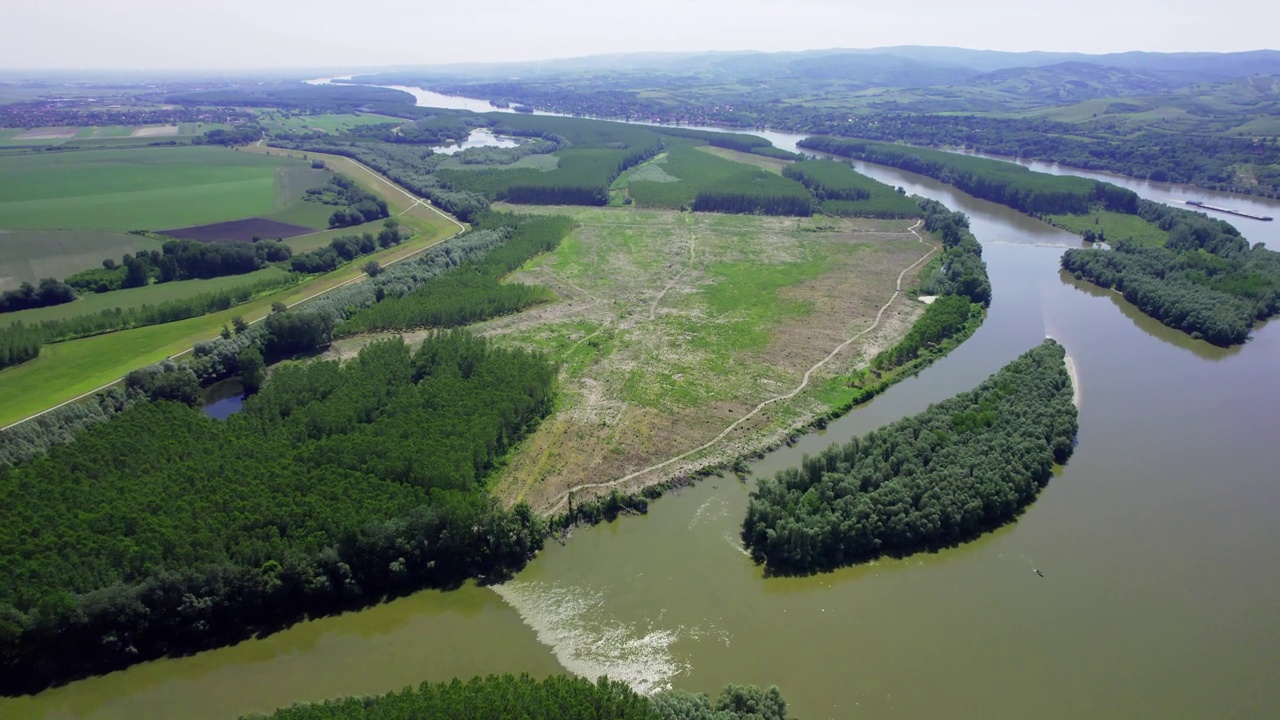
pixel 1159 595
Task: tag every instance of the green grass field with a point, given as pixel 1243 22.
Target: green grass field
pixel 1115 226
pixel 93 303
pixel 144 188
pixel 277 121
pixel 28 255
pixel 541 163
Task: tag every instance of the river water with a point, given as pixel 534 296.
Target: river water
pixel 1159 596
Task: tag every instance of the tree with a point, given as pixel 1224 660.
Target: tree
pixel 252 369
pixel 239 324
pixel 372 268
pixel 135 274
pixel 278 307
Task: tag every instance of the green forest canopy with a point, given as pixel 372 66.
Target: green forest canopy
pixel 961 467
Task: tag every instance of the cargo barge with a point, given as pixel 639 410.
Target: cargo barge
pixel 1229 211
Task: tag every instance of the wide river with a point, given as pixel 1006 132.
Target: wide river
pixel 1160 595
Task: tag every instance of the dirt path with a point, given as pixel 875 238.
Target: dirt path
pixel 779 398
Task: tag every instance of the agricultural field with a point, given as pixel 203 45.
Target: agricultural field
pixel 68 369
pixel 103 136
pixel 1113 226
pixel 93 303
pixel 144 188
pixel 670 326
pixel 28 255
pixel 279 121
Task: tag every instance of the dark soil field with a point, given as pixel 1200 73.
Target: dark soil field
pixel 241 230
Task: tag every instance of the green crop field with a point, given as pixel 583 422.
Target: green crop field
pixel 694 171
pixel 277 121
pixel 28 255
pixel 94 303
pixel 1114 226
pixel 144 188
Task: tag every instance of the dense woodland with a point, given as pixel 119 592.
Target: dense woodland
pixel 841 190
pixel 1206 281
pixel 1195 159
pixel 961 269
pixel 960 468
pixel 555 698
pixel 474 291
pixel 1000 182
pixel 201 532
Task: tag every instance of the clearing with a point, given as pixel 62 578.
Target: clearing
pixel 671 326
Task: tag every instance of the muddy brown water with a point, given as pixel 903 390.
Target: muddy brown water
pixel 1160 594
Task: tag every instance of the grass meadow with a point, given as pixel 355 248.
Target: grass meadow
pixel 1115 226
pixel 141 188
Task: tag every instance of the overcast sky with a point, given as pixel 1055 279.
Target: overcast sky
pixel 156 34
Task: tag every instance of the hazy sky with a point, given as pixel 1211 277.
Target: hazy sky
pixel 314 33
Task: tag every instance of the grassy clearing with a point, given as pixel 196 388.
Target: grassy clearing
pixel 94 303
pixel 673 325
pixel 773 165
pixel 1115 226
pixel 694 171
pixel 145 188
pixel 28 255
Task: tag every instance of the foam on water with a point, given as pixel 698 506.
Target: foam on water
pixel 589 641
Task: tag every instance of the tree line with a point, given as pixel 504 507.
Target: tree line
pixel 49 292
pixel 962 467
pixel 347 248
pixel 165 531
pixel 18 344
pixel 180 259
pixel 474 290
pixel 557 697
pixel 1001 182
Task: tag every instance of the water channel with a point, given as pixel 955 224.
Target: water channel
pixel 1160 595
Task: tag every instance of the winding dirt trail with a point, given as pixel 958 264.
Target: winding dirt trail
pixel 779 398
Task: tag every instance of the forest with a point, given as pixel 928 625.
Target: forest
pixel 165 531
pixel 1196 159
pixel 841 190
pixel 1206 281
pixel 18 344
pixel 473 291
pixel 1001 182
pixel 961 269
pixel 558 697
pixel 961 467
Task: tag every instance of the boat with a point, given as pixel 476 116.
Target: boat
pixel 1229 211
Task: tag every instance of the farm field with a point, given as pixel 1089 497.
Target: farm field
pixel 28 255
pixel 672 325
pixel 674 179
pixel 93 303
pixel 103 136
pixel 143 188
pixel 66 370
pixel 277 121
